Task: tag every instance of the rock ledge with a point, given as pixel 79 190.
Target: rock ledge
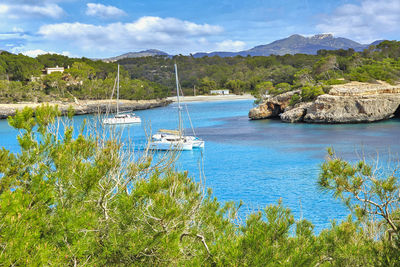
pixel 347 103
pixel 88 107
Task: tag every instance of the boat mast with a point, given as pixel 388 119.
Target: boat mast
pixel 118 91
pixel 179 103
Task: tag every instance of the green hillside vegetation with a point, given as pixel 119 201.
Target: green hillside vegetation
pixel 22 79
pixel 75 199
pixel 153 77
pixel 285 73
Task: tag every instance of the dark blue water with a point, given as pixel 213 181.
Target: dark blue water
pixel 260 162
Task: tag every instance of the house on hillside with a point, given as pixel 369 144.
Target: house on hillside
pixel 54 69
pixel 220 92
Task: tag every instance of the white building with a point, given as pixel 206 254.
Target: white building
pixel 220 92
pixel 51 70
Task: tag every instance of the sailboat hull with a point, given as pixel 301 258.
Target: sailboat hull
pixel 163 137
pixel 198 144
pixel 196 141
pixel 117 121
pixel 160 145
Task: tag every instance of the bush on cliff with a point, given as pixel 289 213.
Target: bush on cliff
pixel 295 99
pixel 309 93
pixel 73 198
pixel 280 88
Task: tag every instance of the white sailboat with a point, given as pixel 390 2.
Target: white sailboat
pixel 175 139
pixel 121 117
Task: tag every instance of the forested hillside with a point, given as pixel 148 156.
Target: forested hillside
pixel 22 79
pixel 273 73
pixel 153 77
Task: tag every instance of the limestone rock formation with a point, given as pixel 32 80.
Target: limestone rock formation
pixel 346 103
pixel 348 109
pixel 272 106
pixel 296 113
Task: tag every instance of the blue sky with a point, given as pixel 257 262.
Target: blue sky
pixel 99 29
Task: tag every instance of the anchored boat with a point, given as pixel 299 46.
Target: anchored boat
pixel 176 139
pixel 121 117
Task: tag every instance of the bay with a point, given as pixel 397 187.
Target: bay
pixel 260 162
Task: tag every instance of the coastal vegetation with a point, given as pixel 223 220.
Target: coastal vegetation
pixel 71 197
pixel 273 74
pixel 152 77
pixel 22 78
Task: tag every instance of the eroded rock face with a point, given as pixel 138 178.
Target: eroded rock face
pixel 295 114
pixel 347 109
pixel 347 103
pixel 272 106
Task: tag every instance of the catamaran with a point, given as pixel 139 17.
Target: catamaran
pixel 121 117
pixel 175 139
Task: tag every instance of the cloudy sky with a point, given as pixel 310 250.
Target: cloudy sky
pixel 98 29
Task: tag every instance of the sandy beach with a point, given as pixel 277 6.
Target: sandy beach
pixel 209 98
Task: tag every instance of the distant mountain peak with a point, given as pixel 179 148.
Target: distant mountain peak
pixel 145 53
pixel 153 51
pixel 295 36
pixel 322 36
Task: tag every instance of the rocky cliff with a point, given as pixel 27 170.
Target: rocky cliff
pixel 88 107
pixel 272 107
pixel 346 103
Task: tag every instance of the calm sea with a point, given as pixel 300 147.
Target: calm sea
pixel 260 162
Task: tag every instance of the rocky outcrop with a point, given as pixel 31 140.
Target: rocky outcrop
pixel 347 103
pixel 296 113
pixel 348 109
pixel 272 106
pixel 88 107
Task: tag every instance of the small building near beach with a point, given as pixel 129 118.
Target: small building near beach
pixel 220 92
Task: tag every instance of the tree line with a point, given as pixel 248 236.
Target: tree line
pixel 153 77
pixel 22 79
pixel 274 74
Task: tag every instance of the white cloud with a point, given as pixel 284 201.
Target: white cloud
pixel 10 36
pixel 13 40
pixel 364 22
pixel 16 11
pixel 146 32
pixel 15 34
pixel 36 52
pixel 103 11
pixel 231 46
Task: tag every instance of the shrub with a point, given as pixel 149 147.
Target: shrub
pixel 309 93
pixel 280 88
pixel 294 100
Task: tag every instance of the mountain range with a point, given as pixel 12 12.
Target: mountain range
pixel 293 44
pixel 146 53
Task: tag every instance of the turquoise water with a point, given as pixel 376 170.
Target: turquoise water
pixel 260 162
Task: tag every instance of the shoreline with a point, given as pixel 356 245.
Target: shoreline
pixel 82 107
pixel 212 98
